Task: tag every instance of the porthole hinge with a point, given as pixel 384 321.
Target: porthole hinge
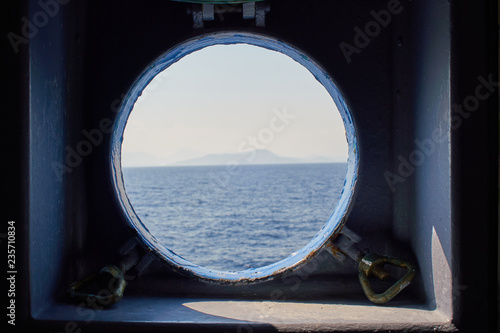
pixel 208 12
pixel 344 246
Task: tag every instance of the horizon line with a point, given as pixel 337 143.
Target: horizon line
pixel 226 164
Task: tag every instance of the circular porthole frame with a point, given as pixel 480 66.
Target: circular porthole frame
pixel 332 226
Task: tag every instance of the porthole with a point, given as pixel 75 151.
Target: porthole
pixel 179 263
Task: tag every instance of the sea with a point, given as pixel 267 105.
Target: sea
pixel 234 218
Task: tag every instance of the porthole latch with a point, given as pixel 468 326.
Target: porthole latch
pixel 90 289
pixel 371 265
pixel 106 287
pixel 374 262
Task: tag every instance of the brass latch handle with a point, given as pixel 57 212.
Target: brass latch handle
pixel 106 287
pixel 109 279
pixel 345 246
pixel 370 264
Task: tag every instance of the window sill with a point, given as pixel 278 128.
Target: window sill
pixel 249 316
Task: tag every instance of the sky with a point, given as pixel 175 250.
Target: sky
pixel 232 98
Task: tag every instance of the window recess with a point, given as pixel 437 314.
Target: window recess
pixel 399 87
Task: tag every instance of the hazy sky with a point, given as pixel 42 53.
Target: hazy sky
pixel 223 99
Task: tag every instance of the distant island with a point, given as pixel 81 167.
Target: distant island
pixel 250 157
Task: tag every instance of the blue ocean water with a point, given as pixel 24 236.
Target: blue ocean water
pixel 235 219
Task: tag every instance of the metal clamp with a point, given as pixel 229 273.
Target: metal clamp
pixel 109 282
pixel 205 11
pixel 370 264
pixel 344 246
pixel 107 286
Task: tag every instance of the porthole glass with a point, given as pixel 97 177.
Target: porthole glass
pixel 234 157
